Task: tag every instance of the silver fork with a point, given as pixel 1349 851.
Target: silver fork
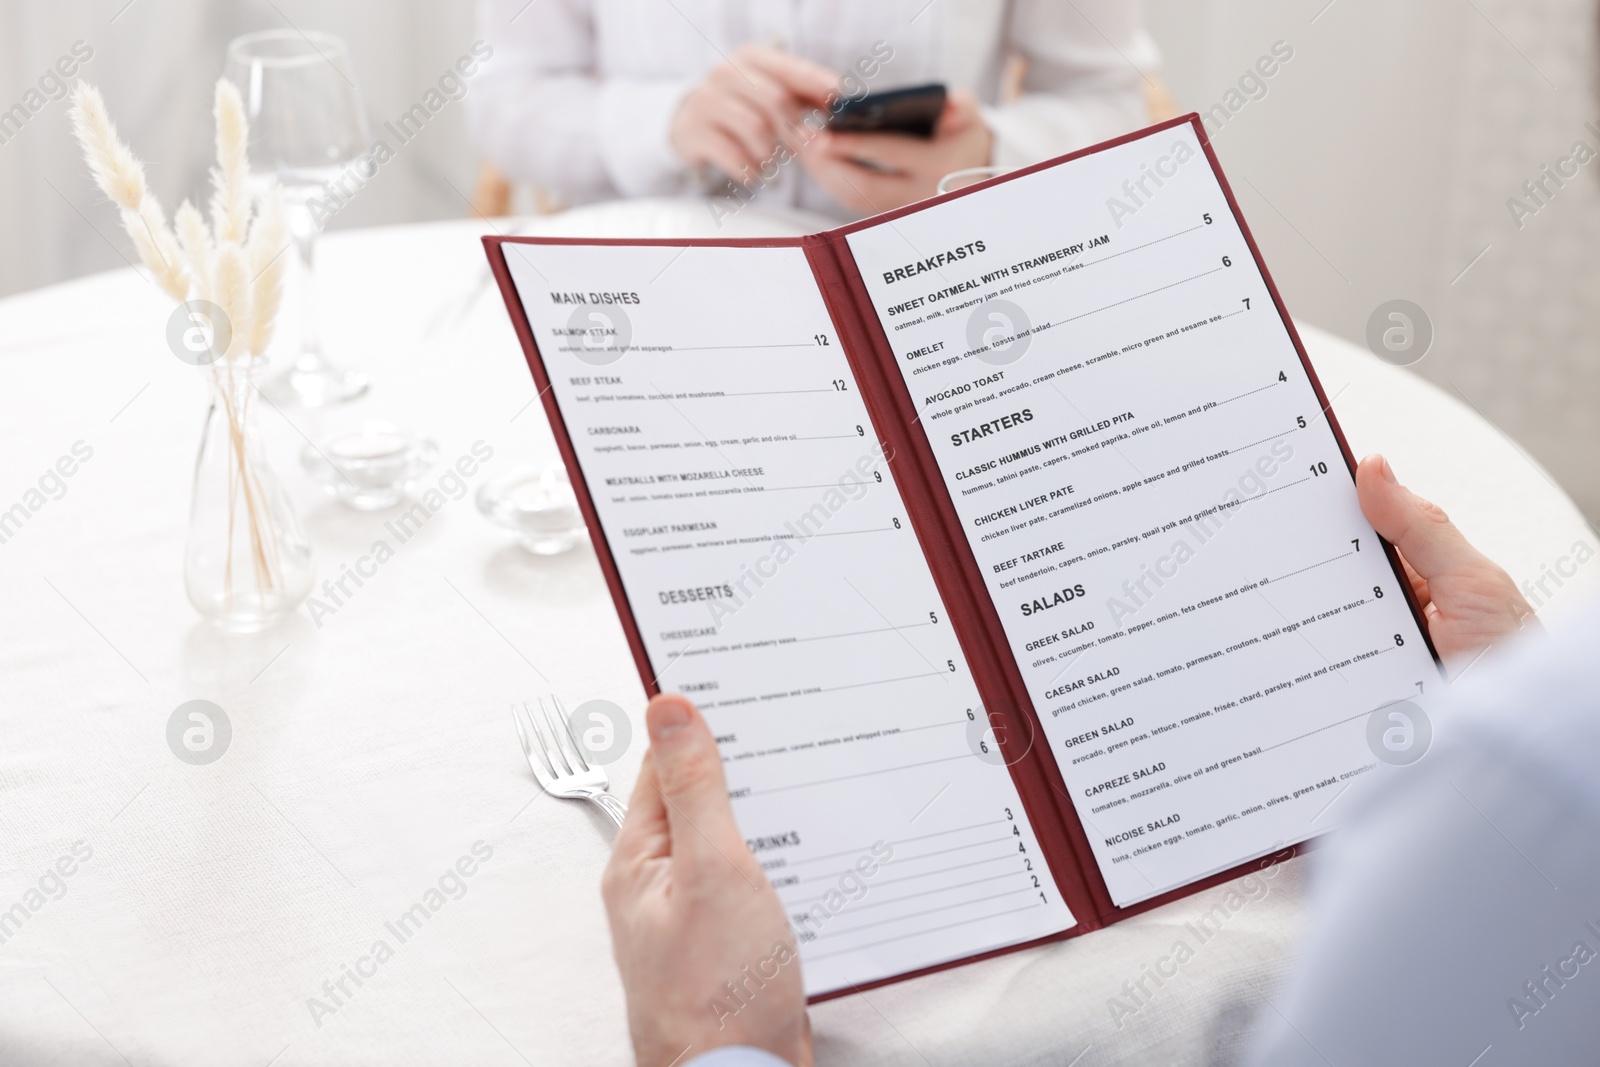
pixel 557 759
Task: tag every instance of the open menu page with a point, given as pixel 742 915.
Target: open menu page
pixel 775 579
pixel 1160 510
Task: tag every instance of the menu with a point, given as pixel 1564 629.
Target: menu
pixel 1007 541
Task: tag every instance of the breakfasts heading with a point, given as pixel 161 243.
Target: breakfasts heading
pixel 933 262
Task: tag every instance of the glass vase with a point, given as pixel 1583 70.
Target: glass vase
pixel 247 564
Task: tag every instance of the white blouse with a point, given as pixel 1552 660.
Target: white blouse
pixel 579 95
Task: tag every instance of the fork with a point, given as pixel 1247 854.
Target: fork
pixel 557 760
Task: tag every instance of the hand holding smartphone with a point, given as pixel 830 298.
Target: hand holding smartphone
pixel 913 111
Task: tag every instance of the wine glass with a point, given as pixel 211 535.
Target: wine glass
pixel 308 127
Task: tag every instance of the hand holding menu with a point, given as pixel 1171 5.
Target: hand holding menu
pixel 1007 542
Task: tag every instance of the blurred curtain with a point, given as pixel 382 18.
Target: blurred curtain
pixel 1378 164
pixel 156 61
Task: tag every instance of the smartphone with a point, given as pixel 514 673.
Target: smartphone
pixel 914 111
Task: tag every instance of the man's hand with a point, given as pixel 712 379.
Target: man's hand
pixel 902 169
pixel 706 954
pixel 1468 601
pixel 746 107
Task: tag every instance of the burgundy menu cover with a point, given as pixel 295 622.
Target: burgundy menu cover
pixel 1007 540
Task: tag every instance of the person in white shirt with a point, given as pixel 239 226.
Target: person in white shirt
pixel 1459 922
pixel 598 99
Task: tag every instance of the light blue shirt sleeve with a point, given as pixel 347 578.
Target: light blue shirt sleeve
pixel 738 1056
pixel 1456 916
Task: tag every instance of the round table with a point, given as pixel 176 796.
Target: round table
pixel 229 913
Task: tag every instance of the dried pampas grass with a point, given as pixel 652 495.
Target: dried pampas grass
pixel 269 243
pixel 115 169
pixel 195 240
pixel 231 292
pixel 230 200
pixel 238 263
pixel 147 227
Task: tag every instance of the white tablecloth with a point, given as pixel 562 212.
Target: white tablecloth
pixel 372 752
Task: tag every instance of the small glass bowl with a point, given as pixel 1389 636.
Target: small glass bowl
pixel 373 468
pixel 538 505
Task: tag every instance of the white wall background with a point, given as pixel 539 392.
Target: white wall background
pixel 1377 164
pixel 156 62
